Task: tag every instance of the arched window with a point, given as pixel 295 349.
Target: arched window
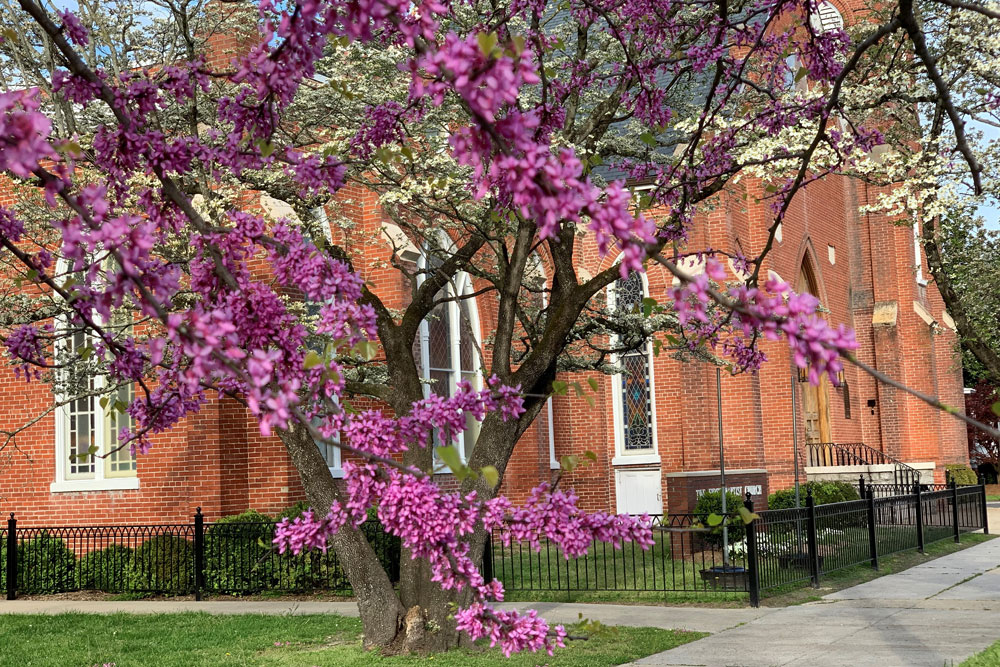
pixel 635 428
pixel 826 18
pixel 449 346
pixel 88 417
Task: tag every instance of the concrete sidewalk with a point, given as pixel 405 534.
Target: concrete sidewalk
pixel 937 613
pixel 701 619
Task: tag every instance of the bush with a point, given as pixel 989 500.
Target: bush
pixel 45 565
pixel 710 502
pixel 238 553
pixel 164 563
pixel 961 473
pixel 105 570
pixel 824 493
pixel 293 512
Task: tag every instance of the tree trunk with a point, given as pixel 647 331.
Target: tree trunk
pixel 382 614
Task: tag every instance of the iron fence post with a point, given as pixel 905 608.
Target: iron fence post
pixel 920 518
pixel 11 563
pixel 872 537
pixel 753 576
pixel 488 558
pixel 986 518
pixel 813 546
pixel 199 553
pixel 954 508
pixel 861 485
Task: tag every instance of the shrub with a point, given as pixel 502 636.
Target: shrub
pixel 237 553
pixel 105 570
pixel 961 473
pixel 46 565
pixel 164 563
pixel 824 493
pixel 294 511
pixel 710 502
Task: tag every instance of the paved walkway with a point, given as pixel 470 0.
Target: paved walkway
pixel 937 613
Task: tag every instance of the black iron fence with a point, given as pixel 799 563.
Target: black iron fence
pixel 783 548
pixel 194 558
pixel 797 545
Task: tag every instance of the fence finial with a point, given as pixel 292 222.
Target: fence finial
pixel 197 510
pixel 11 516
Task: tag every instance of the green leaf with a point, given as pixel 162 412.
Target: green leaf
pixel 517 44
pixel 491 475
pixel 104 401
pixel 86 352
pixel 747 515
pixel 590 455
pixel 312 360
pixel 594 385
pixel 996 408
pixel 559 387
pixel 367 349
pixel 266 148
pixel 657 345
pixel 450 457
pixel 648 304
pixel 487 42
pixel 648 139
pixel 770 188
pixel 801 73
pixel 714 519
pixel 569 462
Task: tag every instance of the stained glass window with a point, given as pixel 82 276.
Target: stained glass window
pixel 636 415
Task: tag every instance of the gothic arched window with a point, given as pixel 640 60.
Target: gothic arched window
pixel 633 387
pixel 449 347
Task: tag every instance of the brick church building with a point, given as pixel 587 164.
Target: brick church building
pixel 655 427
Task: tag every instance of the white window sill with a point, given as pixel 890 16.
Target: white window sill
pixel 635 459
pixel 337 473
pixel 81 485
pixel 554 465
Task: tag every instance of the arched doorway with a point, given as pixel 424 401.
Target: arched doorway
pixel 815 398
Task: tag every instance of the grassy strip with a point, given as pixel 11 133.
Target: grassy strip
pixel 194 639
pixel 852 576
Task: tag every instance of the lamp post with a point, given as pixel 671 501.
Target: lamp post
pixel 722 470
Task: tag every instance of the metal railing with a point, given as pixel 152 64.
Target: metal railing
pixel 791 546
pixel 782 548
pixel 178 559
pixel 828 454
pixel 686 556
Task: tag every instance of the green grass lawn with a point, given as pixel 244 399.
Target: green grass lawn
pixel 189 640
pixel 992 498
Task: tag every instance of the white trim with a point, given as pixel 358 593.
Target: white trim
pixel 106 484
pixel 917 257
pixel 635 459
pixel 553 461
pixel 461 285
pixel 622 457
pixel 712 473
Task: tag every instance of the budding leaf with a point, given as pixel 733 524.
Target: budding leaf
pixel 449 455
pixel 487 42
pixel 647 306
pixel 714 519
pixel 593 383
pixel 569 462
pixel 747 515
pixel 491 475
pixel 590 455
pixel 312 360
pixel 559 387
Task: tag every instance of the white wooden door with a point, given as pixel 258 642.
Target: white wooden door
pixel 638 492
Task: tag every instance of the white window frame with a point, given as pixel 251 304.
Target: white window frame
pixel 64 482
pixel 461 284
pixel 335 466
pixel 622 457
pixel 539 268
pixel 917 255
pixel 826 18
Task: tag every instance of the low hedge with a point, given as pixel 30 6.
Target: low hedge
pixel 823 493
pixel 962 474
pixel 105 570
pixel 238 553
pixel 45 565
pixel 162 564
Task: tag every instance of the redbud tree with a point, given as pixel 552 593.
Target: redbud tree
pixel 490 132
